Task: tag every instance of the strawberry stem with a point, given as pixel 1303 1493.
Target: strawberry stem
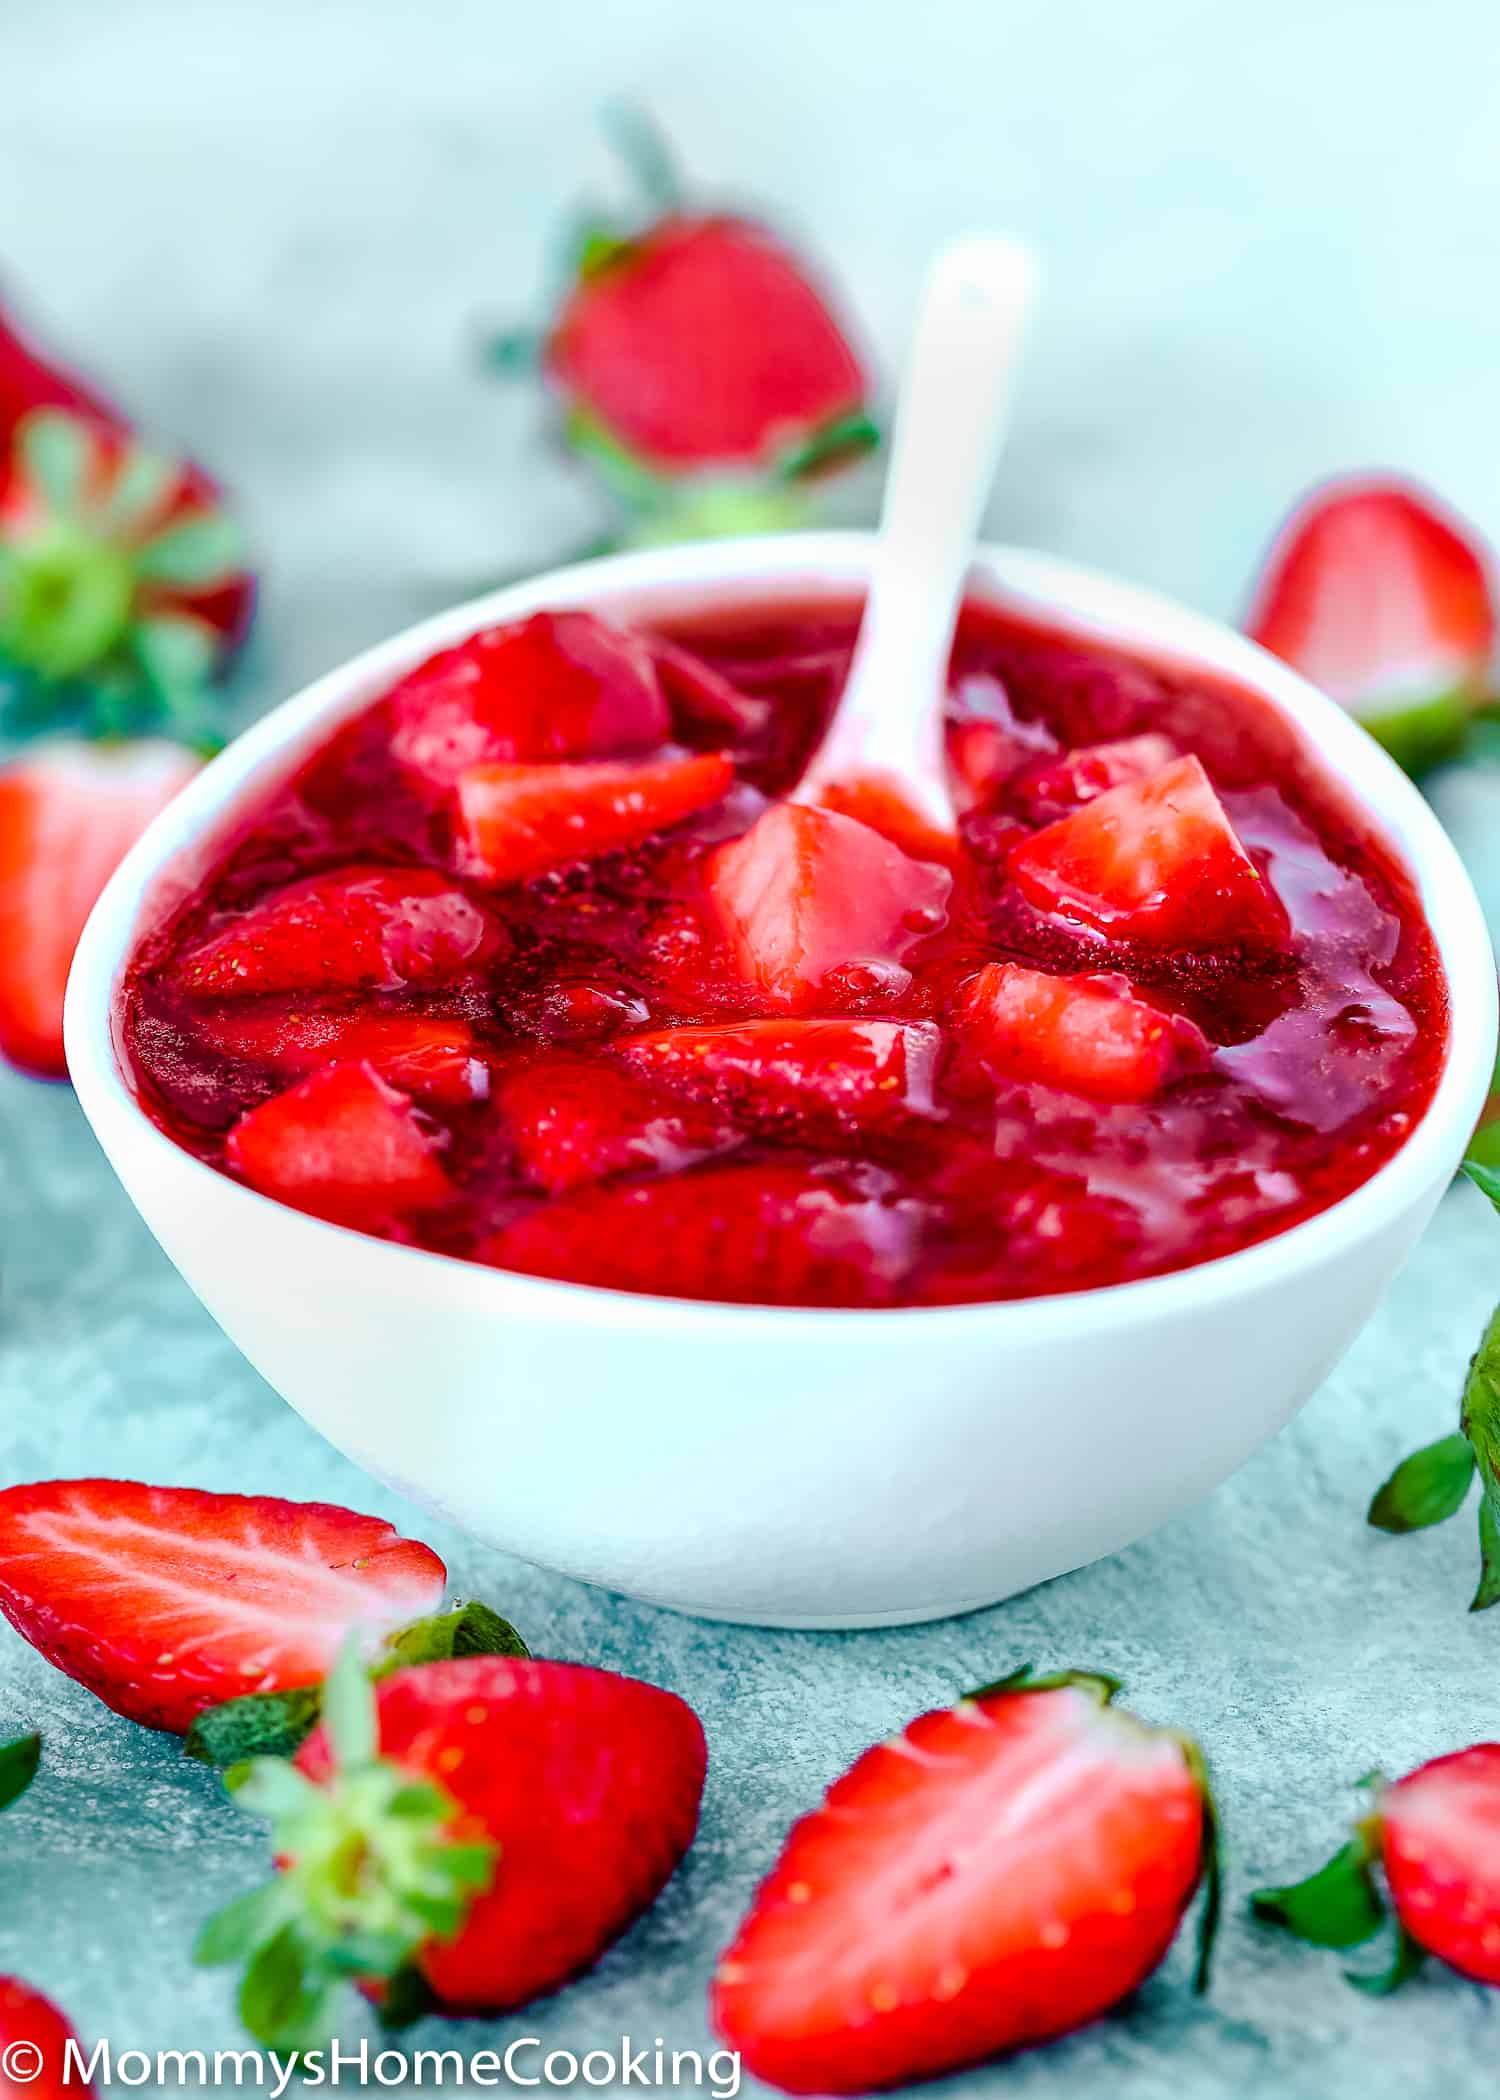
pixel 371 1872
pixel 642 146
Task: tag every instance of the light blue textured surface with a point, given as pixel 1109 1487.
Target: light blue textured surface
pixel 1271 252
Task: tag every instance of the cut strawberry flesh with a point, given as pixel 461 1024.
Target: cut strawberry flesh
pixel 1002 1872
pixel 1053 784
pixel 572 1122
pixel 436 1059
pixel 1380 598
pixel 519 821
pixel 1087 1035
pixel 342 1145
pixel 807 893
pixel 358 928
pixel 859 1072
pixel 557 686
pixel 1155 861
pixel 164 1601
pixel 704 697
pixel 69 812
pixel 772 1234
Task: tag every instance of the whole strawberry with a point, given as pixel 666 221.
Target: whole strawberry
pixel 1435 1838
pixel 123 587
pixel 467 1835
pixel 702 369
pixel 1378 594
pixel 1003 1871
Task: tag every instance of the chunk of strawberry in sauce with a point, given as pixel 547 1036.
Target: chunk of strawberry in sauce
pixel 518 821
pixel 770 1234
pixel 572 1120
pixel 1051 784
pixel 1156 861
pixel 859 1072
pixel 432 1057
pixel 559 685
pixel 360 928
pixel 1086 1035
pixel 807 893
pixel 344 1146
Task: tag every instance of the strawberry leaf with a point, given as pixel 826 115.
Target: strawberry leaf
pixel 835 445
pixel 1426 1488
pixel 1339 1906
pixel 55 452
pixel 1485 1178
pixel 349 1710
pixel 469 1629
pixel 1488 1592
pixel 261 1724
pixel 1405 1962
pixel 198 552
pixel 18 1767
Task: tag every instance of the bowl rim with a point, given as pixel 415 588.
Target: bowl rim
pixel 806 566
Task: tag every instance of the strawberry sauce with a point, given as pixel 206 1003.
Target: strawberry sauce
pixel 529 965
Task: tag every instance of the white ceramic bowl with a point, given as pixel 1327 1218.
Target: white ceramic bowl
pixel 778 1465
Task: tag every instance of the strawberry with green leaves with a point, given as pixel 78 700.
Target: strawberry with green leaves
pixel 1000 1873
pixel 467 1835
pixel 1433 1839
pixel 702 370
pixel 1386 600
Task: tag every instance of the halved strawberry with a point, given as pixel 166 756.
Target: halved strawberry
pixel 1051 784
pixel 574 1120
pixel 429 1056
pixel 807 893
pixel 356 928
pixel 703 343
pixel 518 821
pixel 69 812
pixel 472 1835
pixel 1002 1872
pixel 859 1072
pixel 1436 1834
pixel 342 1145
pixel 1386 599
pixel 165 1601
pixel 558 685
pixel 771 1234
pixel 1087 1035
pixel 35 2039
pixel 1155 861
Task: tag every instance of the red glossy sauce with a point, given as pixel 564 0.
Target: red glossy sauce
pixel 1289 1064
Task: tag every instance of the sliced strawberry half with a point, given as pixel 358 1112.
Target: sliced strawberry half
pixel 1156 861
pixel 858 1072
pixel 558 685
pixel 432 1057
pixel 165 1601
pixel 807 893
pixel 356 928
pixel 1050 785
pixel 574 1120
pixel 344 1146
pixel 518 821
pixel 1386 600
pixel 35 2041
pixel 69 812
pixel 703 343
pixel 1002 1872
pixel 1087 1035
pixel 759 1234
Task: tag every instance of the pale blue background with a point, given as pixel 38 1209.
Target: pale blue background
pixel 1270 240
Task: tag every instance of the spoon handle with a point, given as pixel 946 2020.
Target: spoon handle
pixel 950 421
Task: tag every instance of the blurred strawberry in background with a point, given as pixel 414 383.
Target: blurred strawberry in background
pixel 1385 599
pixel 702 371
pixel 123 595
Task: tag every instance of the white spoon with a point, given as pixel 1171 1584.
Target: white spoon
pixel 887 736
